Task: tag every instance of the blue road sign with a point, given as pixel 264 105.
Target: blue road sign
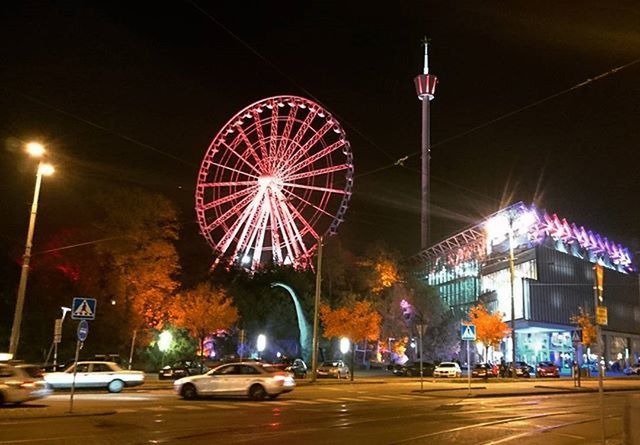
pixel 83 308
pixel 468 332
pixel 83 330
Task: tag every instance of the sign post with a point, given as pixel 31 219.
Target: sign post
pixel 576 339
pixel 468 333
pixel 83 309
pixel 421 327
pixel 57 338
pixel 601 319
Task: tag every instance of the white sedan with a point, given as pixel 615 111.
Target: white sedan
pixel 17 386
pixel 256 380
pixel 95 375
pixel 447 369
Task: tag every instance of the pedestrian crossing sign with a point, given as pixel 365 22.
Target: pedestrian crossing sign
pixel 83 308
pixel 468 332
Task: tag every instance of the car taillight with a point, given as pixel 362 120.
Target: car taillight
pixel 27 384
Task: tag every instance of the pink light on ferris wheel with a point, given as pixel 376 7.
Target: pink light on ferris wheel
pixel 276 178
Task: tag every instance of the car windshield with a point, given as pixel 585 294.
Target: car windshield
pixel 447 365
pixel 331 364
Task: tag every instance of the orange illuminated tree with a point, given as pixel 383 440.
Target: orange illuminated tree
pixel 203 311
pixel 584 320
pixel 490 329
pixel 357 321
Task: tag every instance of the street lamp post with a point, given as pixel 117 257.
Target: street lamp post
pixel 36 150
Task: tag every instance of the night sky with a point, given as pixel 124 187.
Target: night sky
pixel 132 93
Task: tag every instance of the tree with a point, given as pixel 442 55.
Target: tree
pixel 204 310
pixel 490 329
pixel 584 320
pixel 358 321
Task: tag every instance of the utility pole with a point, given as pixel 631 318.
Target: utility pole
pixel 425 84
pixel 316 308
pixel 512 277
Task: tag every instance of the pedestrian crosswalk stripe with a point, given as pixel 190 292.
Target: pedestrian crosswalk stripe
pixel 350 399
pixel 307 402
pixel 252 404
pixel 221 406
pixel 369 398
pixel 189 407
pixel 156 408
pixel 125 410
pixel 327 400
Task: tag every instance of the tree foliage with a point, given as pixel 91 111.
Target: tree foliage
pixel 203 311
pixel 358 321
pixel 490 329
pixel 584 320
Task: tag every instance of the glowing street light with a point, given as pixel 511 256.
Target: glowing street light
pixel 345 344
pixel 37 150
pixel 164 341
pixel 261 343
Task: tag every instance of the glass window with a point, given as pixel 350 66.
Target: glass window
pixel 101 367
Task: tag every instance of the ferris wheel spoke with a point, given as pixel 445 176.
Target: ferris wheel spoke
pixel 241 158
pixel 258 126
pixel 307 145
pixel 235 170
pixel 295 141
pixel 313 187
pixel 319 209
pixel 283 229
pixel 274 131
pixel 249 225
pixel 227 184
pixel 311 159
pixel 293 230
pixel 321 171
pixel 291 119
pixel 295 214
pixel 227 198
pixel 250 146
pixel 229 213
pixel 262 230
pixel 254 234
pixel 225 241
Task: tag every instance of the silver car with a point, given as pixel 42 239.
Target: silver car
pixel 17 385
pixel 333 368
pixel 256 380
pixel 96 374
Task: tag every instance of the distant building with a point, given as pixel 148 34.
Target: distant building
pixel 554 275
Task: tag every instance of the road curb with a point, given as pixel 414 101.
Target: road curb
pixel 58 416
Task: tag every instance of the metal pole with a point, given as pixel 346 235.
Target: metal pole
pixel 420 326
pixel 512 275
pixel 316 308
pixel 600 349
pixel 133 343
pixel 75 371
pixel 469 369
pixel 24 272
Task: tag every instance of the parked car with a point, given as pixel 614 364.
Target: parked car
pixel 413 369
pixel 256 380
pixel 522 370
pixel 298 368
pixel 447 369
pixel 181 368
pixel 17 386
pixel 633 369
pixel 484 370
pixel 333 368
pixel 95 374
pixel 547 369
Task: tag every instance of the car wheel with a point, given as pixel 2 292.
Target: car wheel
pixel 115 386
pixel 638 372
pixel 257 392
pixel 273 396
pixel 189 392
pixel 339 376
pixel 1 398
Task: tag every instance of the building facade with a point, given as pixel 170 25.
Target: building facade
pixel 553 276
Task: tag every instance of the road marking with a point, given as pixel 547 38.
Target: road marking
pixel 369 398
pixel 221 406
pixel 349 399
pixel 252 404
pixel 125 410
pixel 307 402
pixel 156 408
pixel 327 400
pixel 284 402
pixel 190 407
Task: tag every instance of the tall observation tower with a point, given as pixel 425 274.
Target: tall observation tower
pixel 425 88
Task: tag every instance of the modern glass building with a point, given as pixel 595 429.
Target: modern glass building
pixel 554 276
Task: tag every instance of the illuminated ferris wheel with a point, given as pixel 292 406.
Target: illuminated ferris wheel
pixel 276 178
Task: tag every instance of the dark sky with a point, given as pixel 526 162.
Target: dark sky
pixel 161 78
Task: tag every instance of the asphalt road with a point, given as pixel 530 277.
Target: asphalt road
pixel 358 414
